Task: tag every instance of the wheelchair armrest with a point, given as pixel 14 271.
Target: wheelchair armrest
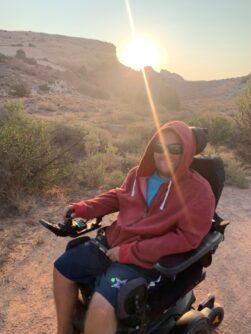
pixel 171 265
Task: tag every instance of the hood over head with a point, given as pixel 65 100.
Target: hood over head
pixel 188 141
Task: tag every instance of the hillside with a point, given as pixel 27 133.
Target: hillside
pixel 76 67
pixel 61 52
pixel 214 95
pixel 79 71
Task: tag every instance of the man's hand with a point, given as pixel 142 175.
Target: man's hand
pixel 113 254
pixel 69 212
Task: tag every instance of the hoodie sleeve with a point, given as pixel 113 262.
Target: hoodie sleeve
pixel 194 223
pixel 101 205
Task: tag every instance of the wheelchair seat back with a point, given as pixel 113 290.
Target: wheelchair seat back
pixel 212 169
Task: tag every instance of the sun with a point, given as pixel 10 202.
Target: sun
pixel 140 53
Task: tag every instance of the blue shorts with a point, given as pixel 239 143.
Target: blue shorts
pixel 87 265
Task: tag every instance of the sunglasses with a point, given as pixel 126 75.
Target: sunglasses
pixel 171 148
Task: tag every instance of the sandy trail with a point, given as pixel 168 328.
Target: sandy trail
pixel 26 303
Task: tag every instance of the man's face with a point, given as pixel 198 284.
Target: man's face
pixel 166 165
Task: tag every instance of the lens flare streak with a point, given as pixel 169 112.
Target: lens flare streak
pixel 155 117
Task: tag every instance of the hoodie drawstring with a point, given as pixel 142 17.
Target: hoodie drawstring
pixel 166 196
pixel 133 188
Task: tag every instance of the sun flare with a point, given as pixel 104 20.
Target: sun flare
pixel 140 53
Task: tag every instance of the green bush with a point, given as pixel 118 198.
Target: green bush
pixel 220 127
pixel 130 160
pixel 243 120
pixel 44 88
pixel 19 90
pixel 68 137
pixel 236 174
pixel 95 169
pixel 23 146
pixel 133 139
pixel 3 58
pixel 114 179
pixel 20 53
pixel 30 159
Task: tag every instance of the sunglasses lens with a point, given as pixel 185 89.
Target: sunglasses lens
pixel 175 148
pixel 158 148
pixel 171 148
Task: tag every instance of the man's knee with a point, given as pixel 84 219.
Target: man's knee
pixel 59 278
pixel 100 305
pixel 99 311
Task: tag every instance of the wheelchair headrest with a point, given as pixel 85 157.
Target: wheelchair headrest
pixel 200 135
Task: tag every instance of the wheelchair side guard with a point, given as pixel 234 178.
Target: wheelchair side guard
pixel 132 298
pixel 172 265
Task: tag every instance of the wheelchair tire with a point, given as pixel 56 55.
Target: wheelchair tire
pixel 215 317
pixel 192 322
pixel 201 327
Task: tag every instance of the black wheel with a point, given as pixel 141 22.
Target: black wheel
pixel 200 327
pixel 215 317
pixel 192 322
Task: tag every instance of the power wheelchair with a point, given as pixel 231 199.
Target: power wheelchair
pixel 165 307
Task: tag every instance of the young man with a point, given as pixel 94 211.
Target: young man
pixel 161 204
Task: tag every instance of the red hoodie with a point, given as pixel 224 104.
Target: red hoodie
pixel 178 218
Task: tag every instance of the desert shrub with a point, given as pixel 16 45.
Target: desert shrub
pixel 3 58
pixel 92 143
pixel 97 140
pixel 23 147
pixel 44 88
pixel 68 137
pixel 20 54
pixel 95 169
pixel 220 127
pixel 114 179
pixel 30 159
pixel 236 174
pixel 133 139
pixel 19 90
pixel 101 159
pixel 243 120
pixel 130 160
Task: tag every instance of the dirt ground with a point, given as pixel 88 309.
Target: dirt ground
pixel 26 303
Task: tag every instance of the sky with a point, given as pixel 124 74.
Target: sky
pixel 198 39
